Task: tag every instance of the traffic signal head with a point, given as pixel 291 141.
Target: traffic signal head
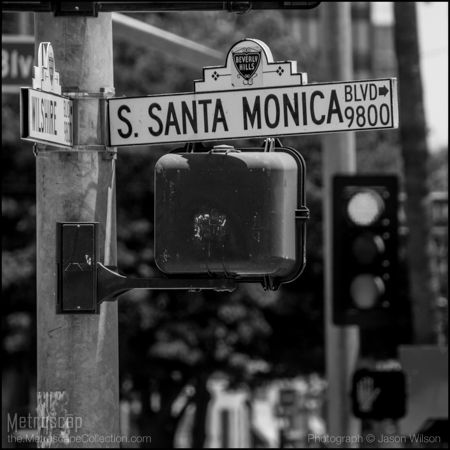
pixel 231 213
pixel 378 394
pixel 365 244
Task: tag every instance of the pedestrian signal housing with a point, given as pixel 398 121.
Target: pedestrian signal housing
pixel 378 394
pixel 234 213
pixel 365 244
pixel 221 217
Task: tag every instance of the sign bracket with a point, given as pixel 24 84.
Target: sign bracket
pixel 111 284
pixel 75 96
pixel 102 95
pixel 83 283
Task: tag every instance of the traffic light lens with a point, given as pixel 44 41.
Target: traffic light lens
pixel 367 247
pixel 365 290
pixel 365 207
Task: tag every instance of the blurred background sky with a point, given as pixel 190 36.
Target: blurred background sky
pixel 433 35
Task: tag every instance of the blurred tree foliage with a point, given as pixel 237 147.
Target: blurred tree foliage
pixel 18 262
pixel 170 343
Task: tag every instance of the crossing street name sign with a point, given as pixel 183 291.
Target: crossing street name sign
pixel 46 118
pixel 45 115
pixel 253 96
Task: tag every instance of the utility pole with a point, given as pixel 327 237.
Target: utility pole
pixel 338 156
pixel 415 155
pixel 24 23
pixel 77 354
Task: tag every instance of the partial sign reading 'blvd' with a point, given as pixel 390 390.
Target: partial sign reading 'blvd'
pixel 274 111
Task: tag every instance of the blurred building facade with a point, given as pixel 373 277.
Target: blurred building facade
pixel 373 43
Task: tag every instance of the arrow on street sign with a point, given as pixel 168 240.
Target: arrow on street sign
pixel 383 90
pixel 253 96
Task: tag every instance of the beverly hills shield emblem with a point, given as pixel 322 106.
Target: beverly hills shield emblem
pixel 247 61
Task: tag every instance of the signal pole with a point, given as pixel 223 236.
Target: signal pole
pixel 77 355
pixel 338 156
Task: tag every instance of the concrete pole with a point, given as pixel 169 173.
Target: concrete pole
pixel 77 355
pixel 338 156
pixel 24 23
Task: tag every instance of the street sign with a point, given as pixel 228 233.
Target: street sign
pixel 45 115
pixel 46 118
pixel 253 96
pixel 17 61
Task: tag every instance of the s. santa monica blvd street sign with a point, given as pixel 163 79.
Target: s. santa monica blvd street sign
pixel 45 115
pixel 253 96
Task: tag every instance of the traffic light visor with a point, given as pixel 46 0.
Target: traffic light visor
pixel 367 247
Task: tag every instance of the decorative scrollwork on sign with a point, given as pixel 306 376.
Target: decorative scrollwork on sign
pixel 250 64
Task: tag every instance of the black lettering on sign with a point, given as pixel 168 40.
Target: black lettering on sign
pixel 205 112
pixel 43 115
pixel 304 109
pixel 158 131
pixel 360 116
pixel 186 114
pixel 348 93
pixel 219 116
pixel 292 109
pixel 41 121
pixel 171 119
pixel 313 115
pixel 334 107
pixel 385 116
pixel 273 124
pixel 54 118
pixel 372 115
pixel 67 121
pixel 253 115
pixel 128 132
pixel 360 92
pixel 34 113
pixel 350 115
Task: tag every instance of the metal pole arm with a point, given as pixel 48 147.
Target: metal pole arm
pixel 84 282
pixel 111 284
